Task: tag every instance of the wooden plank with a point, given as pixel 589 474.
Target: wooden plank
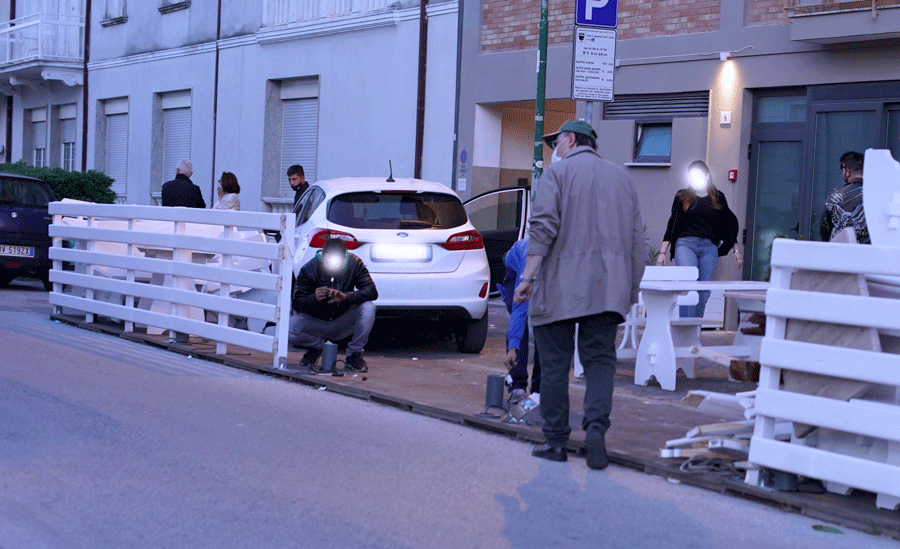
pixel 833 257
pixel 822 286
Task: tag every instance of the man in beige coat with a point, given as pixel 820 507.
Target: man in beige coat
pixel 584 264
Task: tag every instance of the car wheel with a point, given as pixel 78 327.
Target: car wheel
pixel 471 336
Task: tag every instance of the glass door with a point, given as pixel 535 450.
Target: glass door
pixel 776 200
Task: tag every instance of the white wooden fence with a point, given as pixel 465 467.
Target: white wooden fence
pixel 832 310
pixel 173 269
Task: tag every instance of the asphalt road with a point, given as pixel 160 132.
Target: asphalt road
pixel 110 443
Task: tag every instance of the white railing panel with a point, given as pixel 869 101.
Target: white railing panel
pixel 167 267
pixel 834 257
pixel 874 312
pixel 880 368
pixel 854 416
pixel 823 465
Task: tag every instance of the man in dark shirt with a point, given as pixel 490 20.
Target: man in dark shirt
pixel 333 298
pixel 181 191
pixel 844 206
pixel 297 179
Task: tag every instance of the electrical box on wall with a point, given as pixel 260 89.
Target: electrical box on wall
pixel 732 175
pixel 725 118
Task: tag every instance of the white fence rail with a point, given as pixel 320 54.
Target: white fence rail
pixel 207 273
pixel 831 365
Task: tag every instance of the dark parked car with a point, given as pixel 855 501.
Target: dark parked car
pixel 500 216
pixel 24 239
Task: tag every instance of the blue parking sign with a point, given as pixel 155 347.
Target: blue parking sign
pixel 596 13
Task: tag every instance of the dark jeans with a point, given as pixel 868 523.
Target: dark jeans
pixel 519 373
pixel 597 351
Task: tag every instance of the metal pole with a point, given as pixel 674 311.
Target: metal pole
pixel 537 164
pixel 589 112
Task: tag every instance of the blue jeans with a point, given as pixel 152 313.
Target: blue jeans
pixel 693 251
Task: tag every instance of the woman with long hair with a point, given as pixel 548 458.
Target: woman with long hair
pixel 700 230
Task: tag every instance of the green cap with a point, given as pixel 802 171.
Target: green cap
pixel 574 126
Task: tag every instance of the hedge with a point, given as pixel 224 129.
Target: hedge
pixel 91 186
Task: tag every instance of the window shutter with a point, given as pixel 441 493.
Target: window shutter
pixel 67 129
pixel 117 151
pixel 176 139
pixel 39 139
pixel 299 137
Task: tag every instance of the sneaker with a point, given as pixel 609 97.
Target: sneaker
pixel 310 359
pixel 356 363
pixel 517 396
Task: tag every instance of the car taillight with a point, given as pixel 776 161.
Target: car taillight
pixel 469 240
pixel 483 291
pixel 317 239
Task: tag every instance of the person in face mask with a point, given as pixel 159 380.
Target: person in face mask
pixel 700 230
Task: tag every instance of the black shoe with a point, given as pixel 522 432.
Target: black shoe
pixel 596 450
pixel 356 363
pixel 553 453
pixel 310 358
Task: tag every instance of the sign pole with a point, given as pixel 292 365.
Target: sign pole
pixel 537 163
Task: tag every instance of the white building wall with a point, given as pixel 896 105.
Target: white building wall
pixel 366 65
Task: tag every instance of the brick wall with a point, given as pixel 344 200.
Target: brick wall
pixel 765 12
pixel 508 25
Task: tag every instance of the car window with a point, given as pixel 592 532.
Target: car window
pixel 371 210
pixel 308 203
pixel 497 211
pixel 23 192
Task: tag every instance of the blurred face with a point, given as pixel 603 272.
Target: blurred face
pixel 296 181
pixel 697 180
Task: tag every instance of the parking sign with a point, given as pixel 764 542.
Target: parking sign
pixel 596 13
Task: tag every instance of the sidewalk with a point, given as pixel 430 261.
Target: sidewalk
pixel 423 373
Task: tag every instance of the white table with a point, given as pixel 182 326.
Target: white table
pixel 666 343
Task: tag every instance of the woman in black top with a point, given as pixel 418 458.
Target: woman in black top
pixel 700 229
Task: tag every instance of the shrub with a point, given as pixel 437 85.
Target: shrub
pixel 91 186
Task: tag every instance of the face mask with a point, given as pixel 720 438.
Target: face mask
pixel 555 157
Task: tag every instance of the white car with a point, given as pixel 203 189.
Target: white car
pixel 425 257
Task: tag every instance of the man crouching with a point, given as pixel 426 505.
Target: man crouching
pixel 328 307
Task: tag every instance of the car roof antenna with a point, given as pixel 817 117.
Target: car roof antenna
pixel 390 178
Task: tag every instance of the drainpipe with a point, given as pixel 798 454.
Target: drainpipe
pixel 537 163
pixel 84 88
pixel 459 55
pixel 9 98
pixel 216 103
pixel 420 100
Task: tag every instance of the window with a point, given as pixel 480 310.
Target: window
pixel 114 13
pixel 653 142
pixel 67 134
pixel 176 131
pixel 111 145
pixel 39 137
pixel 371 210
pixel 299 129
pixel 168 6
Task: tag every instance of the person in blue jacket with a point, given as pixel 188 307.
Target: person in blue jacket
pixel 517 334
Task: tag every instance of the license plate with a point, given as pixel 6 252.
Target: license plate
pixel 17 251
pixel 400 252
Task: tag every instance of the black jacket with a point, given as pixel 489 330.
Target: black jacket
pixel 724 226
pixel 313 275
pixel 181 191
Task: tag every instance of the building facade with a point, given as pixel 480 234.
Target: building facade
pixel 247 86
pixel 772 91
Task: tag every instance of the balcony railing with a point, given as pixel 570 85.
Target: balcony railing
pixel 798 8
pixel 42 37
pixel 286 12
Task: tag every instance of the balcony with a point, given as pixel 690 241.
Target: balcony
pixel 41 47
pixel 843 21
